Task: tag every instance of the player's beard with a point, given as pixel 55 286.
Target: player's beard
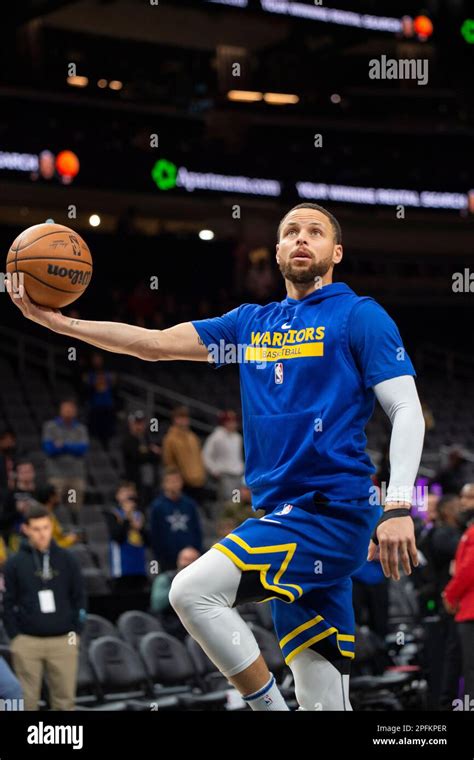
pixel 300 276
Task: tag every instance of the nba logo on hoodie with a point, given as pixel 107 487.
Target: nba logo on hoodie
pixel 279 373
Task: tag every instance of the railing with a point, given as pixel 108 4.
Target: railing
pixel 34 351
pixel 143 394
pixel 136 393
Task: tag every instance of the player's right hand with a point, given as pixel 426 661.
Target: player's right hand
pixel 31 310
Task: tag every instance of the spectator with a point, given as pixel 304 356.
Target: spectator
pixel 233 515
pixel 159 600
pixel 17 503
pixel 182 451
pixel 3 556
pixel 245 496
pixel 140 455
pixel 467 505
pixel 100 386
pixel 11 695
pixel 223 455
pixel 432 507
pixel 66 441
pixel 260 281
pixel 438 548
pixel 452 476
pixel 370 595
pixel 44 607
pixel 48 497
pixel 142 304
pixel 175 522
pixel 425 522
pixel 458 596
pixel 128 538
pixel 7 462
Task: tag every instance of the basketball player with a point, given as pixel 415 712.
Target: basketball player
pixel 310 367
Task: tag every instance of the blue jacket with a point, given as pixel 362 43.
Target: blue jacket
pixel 174 526
pixel 307 370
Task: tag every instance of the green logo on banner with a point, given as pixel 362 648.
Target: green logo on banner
pixel 164 174
pixel 467 30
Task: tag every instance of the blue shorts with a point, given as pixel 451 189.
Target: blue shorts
pixel 301 557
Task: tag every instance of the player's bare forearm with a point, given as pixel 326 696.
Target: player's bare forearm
pixel 117 337
pixel 179 342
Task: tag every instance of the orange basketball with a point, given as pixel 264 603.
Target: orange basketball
pixel 55 262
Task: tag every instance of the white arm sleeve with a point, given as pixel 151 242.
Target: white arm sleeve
pixel 398 398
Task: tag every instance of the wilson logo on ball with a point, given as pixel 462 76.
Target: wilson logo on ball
pixel 75 276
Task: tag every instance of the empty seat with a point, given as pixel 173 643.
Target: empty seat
pixel 97 531
pixel 166 659
pixel 95 581
pixel 117 668
pixel 209 677
pixel 134 625
pixel 86 685
pixel 83 556
pixel 169 666
pixel 96 626
pixel 269 648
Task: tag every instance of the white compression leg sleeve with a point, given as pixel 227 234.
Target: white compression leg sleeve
pixel 318 684
pixel 202 595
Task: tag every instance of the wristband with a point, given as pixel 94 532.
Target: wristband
pixel 399 512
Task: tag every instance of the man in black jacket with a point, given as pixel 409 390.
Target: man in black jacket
pixel 141 456
pixel 44 606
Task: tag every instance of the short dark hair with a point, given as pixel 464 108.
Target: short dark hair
pixel 68 400
pixel 24 460
pixel 7 431
pixel 126 484
pixel 180 411
pixel 336 227
pixel 444 503
pixel 35 512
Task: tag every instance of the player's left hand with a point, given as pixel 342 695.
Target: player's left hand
pixel 396 539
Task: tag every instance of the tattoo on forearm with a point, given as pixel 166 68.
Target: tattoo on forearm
pixel 74 322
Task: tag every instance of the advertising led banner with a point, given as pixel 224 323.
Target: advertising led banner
pixel 47 165
pixel 316 12
pixel 234 3
pixel 19 162
pixel 374 196
pixel 167 176
pixel 333 15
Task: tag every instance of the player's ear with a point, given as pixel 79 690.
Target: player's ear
pixel 337 254
pixel 277 248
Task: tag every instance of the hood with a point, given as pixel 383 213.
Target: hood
pixel 317 296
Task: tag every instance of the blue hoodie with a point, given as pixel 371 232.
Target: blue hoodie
pixel 174 525
pixel 307 368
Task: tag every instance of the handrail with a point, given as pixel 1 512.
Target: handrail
pixel 180 398
pixel 50 357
